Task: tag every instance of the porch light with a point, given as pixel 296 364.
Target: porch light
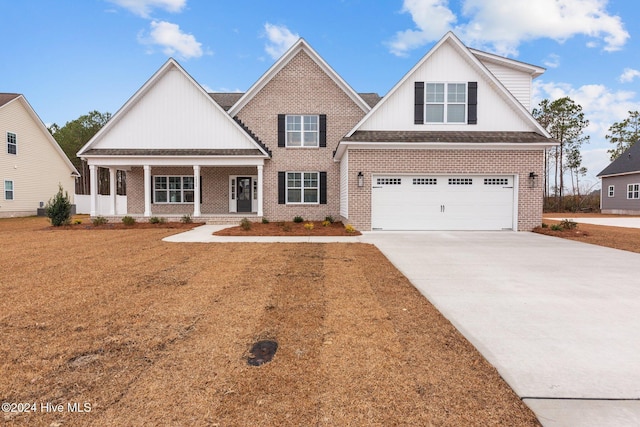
pixel 533 180
pixel 360 179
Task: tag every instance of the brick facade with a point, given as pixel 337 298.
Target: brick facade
pixel 511 162
pixel 301 87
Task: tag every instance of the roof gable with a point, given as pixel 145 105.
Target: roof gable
pixel 450 60
pixel 300 45
pixel 7 99
pixel 171 111
pixel 628 162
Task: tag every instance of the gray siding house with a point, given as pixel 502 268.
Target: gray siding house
pixel 620 192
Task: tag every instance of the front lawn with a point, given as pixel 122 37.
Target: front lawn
pixel 147 332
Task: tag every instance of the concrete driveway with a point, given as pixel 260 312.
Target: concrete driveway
pixel 560 320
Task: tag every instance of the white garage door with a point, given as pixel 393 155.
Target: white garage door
pixel 449 202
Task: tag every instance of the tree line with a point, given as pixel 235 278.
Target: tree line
pixel 562 118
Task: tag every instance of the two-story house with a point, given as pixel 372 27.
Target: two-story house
pixel 32 164
pixel 451 146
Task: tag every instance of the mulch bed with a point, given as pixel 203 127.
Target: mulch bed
pixel 288 228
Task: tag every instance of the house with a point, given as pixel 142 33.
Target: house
pixel 451 146
pixel 32 164
pixel 620 193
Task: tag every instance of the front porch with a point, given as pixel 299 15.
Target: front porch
pixel 220 194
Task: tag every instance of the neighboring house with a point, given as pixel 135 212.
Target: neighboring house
pixel 620 193
pixel 32 164
pixel 452 146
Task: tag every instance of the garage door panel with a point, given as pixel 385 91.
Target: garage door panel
pixel 442 203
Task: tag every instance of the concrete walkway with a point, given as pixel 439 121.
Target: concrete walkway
pixel 560 320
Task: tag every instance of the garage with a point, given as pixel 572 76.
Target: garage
pixel 442 202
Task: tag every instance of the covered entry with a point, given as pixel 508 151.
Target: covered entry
pixel 442 202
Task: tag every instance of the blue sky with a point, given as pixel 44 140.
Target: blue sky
pixel 69 57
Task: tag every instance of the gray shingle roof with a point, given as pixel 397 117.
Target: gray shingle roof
pixel 227 100
pixel 172 152
pixel 6 97
pixel 629 161
pixel 449 136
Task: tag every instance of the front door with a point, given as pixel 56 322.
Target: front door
pixel 243 194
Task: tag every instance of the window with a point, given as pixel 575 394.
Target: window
pixel 633 191
pixel 389 181
pixel 611 190
pixel 8 190
pixel 173 189
pixel 496 181
pixel 302 131
pixel 460 181
pixel 302 187
pixel 425 181
pixel 445 102
pixel 12 143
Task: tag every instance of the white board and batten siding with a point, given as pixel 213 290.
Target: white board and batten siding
pixel 443 202
pixel 446 65
pixel 174 114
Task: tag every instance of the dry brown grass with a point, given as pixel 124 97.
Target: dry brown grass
pixel 156 333
pixel 627 239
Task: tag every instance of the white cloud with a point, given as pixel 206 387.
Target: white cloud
pixel 602 107
pixel 628 75
pixel 144 7
pixel 500 26
pixel 432 18
pixel 280 39
pixel 552 61
pixel 172 40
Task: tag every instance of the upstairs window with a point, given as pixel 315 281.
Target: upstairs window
pixel 12 143
pixel 446 103
pixel 302 131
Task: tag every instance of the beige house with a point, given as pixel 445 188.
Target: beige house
pixel 452 146
pixel 32 164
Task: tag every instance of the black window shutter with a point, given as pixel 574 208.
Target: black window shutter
pixel 152 192
pixel 282 189
pixel 200 189
pixel 323 188
pixel 418 111
pixel 323 130
pixel 281 130
pixel 472 106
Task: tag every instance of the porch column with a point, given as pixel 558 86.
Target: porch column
pixel 112 191
pixel 93 190
pixel 196 191
pixel 260 190
pixel 147 190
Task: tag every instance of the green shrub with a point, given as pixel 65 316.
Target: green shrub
pixel 245 224
pixel 58 209
pixel 556 227
pixel 567 224
pixel 157 220
pixel 329 219
pixel 128 220
pixel 265 221
pixel 545 225
pixel 186 219
pixel 99 220
pixel 298 219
